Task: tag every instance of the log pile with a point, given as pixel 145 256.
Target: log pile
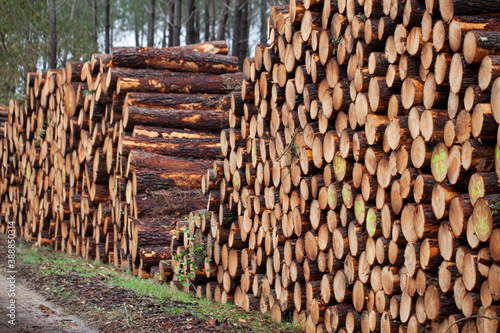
pixel 357 187
pixel 98 151
pixel 360 191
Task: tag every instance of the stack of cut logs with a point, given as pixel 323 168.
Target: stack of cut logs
pixel 359 192
pixel 357 189
pixel 96 148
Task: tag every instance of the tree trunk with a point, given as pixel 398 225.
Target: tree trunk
pixel 94 23
pixel 190 29
pixel 151 23
pixel 137 36
pixel 107 23
pixel 53 34
pixel 224 12
pixel 165 24
pixel 243 44
pixel 263 21
pixel 171 24
pixel 237 26
pixel 176 33
pixel 206 19
pixel 212 20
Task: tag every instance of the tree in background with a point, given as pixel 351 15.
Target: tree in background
pixel 36 35
pixel 224 14
pixel 53 33
pixel 95 34
pixel 176 33
pixel 151 23
pixel 243 42
pixel 191 35
pixel 240 30
pixel 25 38
pixel 107 26
pixel 264 11
pixel 212 19
pixel 206 18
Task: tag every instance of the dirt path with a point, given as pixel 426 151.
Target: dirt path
pixel 34 314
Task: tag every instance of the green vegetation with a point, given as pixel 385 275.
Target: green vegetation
pixel 189 258
pixel 48 263
pixel 495 207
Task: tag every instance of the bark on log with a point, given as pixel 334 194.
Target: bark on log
pixel 195 148
pixel 174 59
pixel 181 83
pixel 206 119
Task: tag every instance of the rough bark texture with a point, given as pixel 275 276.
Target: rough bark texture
pixel 194 148
pixel 197 119
pixel 181 83
pixel 174 59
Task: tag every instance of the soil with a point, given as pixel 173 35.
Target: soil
pixel 34 313
pixel 100 306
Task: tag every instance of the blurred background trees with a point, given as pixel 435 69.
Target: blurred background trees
pixel 39 34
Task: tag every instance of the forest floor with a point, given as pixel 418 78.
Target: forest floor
pixel 57 292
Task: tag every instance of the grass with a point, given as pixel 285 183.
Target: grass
pixel 48 262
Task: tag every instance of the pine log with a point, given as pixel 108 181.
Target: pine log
pixel 178 101
pixel 178 59
pixel 181 83
pixel 449 8
pixel 204 119
pixel 151 256
pixel 193 148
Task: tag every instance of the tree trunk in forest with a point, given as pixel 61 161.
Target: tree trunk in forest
pixel 212 20
pixel 224 12
pixel 151 23
pixel 191 30
pixel 107 23
pixel 263 21
pixel 207 21
pixel 176 34
pixel 94 22
pixel 237 27
pixel 164 35
pixel 53 34
pixel 197 26
pixel 243 47
pixel 171 24
pixel 137 36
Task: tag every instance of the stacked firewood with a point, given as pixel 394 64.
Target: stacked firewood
pixel 95 150
pixel 358 191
